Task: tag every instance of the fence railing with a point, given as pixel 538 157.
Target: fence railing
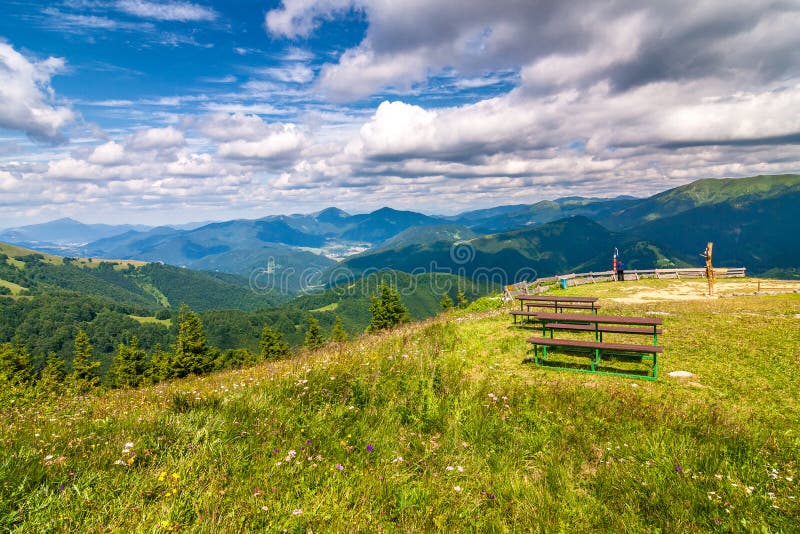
pixel 540 285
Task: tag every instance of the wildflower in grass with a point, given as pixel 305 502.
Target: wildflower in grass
pixel 679 468
pixel 370 448
pixel 61 487
pixel 456 488
pixel 460 469
pixel 449 468
pixel 340 467
pixel 398 460
pixel 298 511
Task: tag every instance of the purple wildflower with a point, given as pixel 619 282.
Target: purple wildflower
pixel 61 487
pixel 679 469
pixel 340 467
pixel 370 448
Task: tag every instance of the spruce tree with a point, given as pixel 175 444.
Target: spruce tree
pixel 446 303
pixel 192 353
pixel 53 374
pixel 84 369
pixel 387 310
pixel 15 363
pixel 338 334
pixel 129 365
pixel 462 299
pixel 161 367
pixel 272 346
pixel 314 337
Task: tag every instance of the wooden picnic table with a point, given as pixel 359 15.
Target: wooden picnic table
pixel 652 323
pixel 554 299
pixel 556 303
pixel 598 348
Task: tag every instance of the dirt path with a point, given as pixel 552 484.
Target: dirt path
pixel 696 290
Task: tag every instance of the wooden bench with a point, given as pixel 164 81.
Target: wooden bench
pixel 562 306
pixel 556 303
pixel 597 349
pixel 603 328
pixel 533 314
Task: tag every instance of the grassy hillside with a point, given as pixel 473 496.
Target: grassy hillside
pixel 706 192
pixel 440 426
pixel 132 283
pixel 349 301
pixel 759 234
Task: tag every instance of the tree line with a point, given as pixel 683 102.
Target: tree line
pixel 190 354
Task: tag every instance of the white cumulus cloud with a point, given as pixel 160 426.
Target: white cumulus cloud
pixel 26 97
pixel 156 138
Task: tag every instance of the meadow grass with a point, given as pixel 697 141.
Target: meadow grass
pixel 436 426
pixel 15 289
pixel 151 320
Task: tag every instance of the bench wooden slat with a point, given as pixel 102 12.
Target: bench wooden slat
pixel 603 328
pixel 621 347
pixel 549 298
pixel 560 305
pixel 582 318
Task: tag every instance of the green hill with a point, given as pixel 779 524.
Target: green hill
pixel 575 244
pixel 708 192
pixel 131 283
pixel 441 426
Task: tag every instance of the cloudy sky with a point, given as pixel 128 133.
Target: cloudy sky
pixel 174 111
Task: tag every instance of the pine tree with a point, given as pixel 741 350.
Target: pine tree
pixel 192 353
pixel 129 365
pixel 314 337
pixel 161 367
pixel 446 303
pixel 15 363
pixel 462 299
pixel 272 346
pixel 387 310
pixel 53 374
pixel 338 334
pixel 84 369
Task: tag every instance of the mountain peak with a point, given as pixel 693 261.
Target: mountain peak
pixel 331 215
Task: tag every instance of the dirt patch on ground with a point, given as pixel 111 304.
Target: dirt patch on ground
pixel 698 290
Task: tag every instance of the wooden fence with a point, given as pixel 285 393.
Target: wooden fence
pixel 541 285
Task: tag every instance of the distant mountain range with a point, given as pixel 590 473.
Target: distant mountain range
pixel 750 219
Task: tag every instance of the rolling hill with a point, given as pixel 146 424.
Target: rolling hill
pixel 127 283
pixel 744 216
pixel 572 244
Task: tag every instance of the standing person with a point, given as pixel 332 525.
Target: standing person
pixel 620 271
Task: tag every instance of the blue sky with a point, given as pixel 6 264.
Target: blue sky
pixel 168 112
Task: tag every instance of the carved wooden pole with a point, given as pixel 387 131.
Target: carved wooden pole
pixel 709 267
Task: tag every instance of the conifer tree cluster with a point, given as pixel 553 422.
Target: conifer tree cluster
pixel 314 338
pixel 272 346
pixel 132 366
pixel 387 309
